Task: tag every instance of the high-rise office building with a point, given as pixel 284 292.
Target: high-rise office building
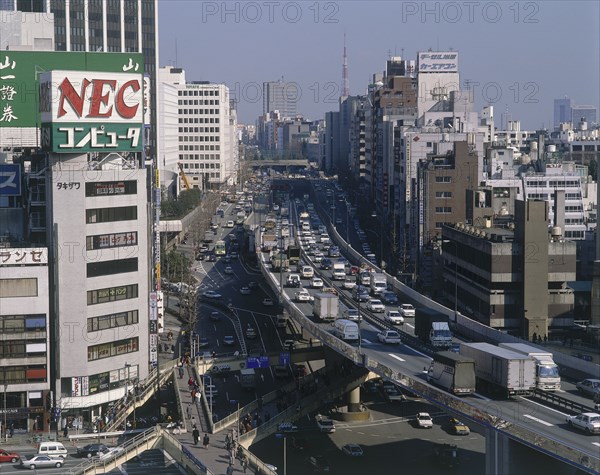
pixel 562 111
pixel 280 96
pixel 588 114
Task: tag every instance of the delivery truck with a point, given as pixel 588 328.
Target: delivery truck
pixel 326 306
pixel 499 370
pixel 453 372
pixel 432 327
pixel 546 375
pixel 293 253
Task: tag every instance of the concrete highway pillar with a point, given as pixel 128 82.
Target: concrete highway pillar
pixel 354 400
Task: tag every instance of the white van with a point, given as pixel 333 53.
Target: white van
pixel 307 272
pixel 52 449
pixel 345 329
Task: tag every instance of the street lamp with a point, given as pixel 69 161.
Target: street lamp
pixel 282 436
pixel 127 366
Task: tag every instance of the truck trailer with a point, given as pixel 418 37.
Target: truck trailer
pixel 326 306
pixel 546 375
pixel 248 378
pixel 432 327
pixel 453 372
pixel 501 371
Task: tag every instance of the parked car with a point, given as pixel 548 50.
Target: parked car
pixel 375 305
pixel 41 461
pixel 589 387
pixel 586 421
pixel 90 450
pixel 424 420
pixel 353 450
pixel 458 428
pixel 9 456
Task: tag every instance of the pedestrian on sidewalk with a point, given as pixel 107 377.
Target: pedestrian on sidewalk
pixel 189 410
pixel 245 463
pixel 230 469
pixel 181 371
pixel 205 441
pixel 66 431
pixel 196 435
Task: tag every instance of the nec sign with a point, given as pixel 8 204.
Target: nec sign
pixel 106 96
pixel 85 111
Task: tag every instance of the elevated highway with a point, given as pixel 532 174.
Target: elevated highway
pixel 526 422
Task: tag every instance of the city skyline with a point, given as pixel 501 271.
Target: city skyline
pixel 303 43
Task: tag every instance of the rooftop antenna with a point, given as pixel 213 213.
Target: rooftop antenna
pixel 345 78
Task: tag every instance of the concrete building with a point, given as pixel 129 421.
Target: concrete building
pixel 280 96
pixel 581 114
pixel 514 279
pixel 332 140
pixel 206 133
pixel 438 76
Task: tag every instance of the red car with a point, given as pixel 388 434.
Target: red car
pixel 354 270
pixel 12 457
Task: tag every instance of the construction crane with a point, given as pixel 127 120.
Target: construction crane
pixel 183 177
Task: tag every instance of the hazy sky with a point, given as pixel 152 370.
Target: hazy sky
pixel 522 54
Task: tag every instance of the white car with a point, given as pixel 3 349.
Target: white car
pixel 267 302
pixel 318 257
pixel 245 290
pixel 407 310
pixel 424 420
pixel 375 305
pixel 316 283
pixel 349 284
pixel 228 270
pixel 353 450
pixel 586 421
pixel 352 314
pixel 389 336
pixel 325 424
pixel 394 317
pixel 302 296
pixel 287 427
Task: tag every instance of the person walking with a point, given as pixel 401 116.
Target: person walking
pixel 196 435
pixel 597 400
pixel 245 463
pixel 230 469
pixel 205 441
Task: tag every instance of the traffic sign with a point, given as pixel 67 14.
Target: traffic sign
pixel 284 359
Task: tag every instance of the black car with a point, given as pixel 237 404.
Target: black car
pixel 389 298
pixel 91 450
pixel 326 263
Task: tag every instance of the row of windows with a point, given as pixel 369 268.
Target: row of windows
pixel 109 188
pixel 575 234
pixel 114 348
pixel 106 241
pixel 573 221
pixel 201 120
pixel 198 129
pixel 198 166
pixel 22 374
pixel 108 215
pixel 25 287
pixel 443 194
pixel 443 209
pixel 573 208
pixel 196 102
pixel 199 138
pixel 114 320
pixel 199 111
pixel 549 196
pixel 216 175
pixel 22 323
pixel 553 183
pixel 199 156
pixel 202 148
pixel 443 179
pixel 112 294
pixel 440 224
pixel 22 348
pixel 118 266
pixel 200 92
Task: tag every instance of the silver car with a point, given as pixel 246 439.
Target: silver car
pixel 589 387
pixel 41 461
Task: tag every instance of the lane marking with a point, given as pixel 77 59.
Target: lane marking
pixel 597 444
pixel 481 397
pixel 396 356
pixel 364 340
pixel 545 407
pixel 547 424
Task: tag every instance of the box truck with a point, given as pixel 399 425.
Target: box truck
pixel 326 306
pixel 248 378
pixel 453 372
pixel 499 370
pixel 546 375
pixel 432 327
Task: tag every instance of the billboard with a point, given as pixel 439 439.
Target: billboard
pixel 10 179
pixel 438 62
pixel 86 111
pixel 20 72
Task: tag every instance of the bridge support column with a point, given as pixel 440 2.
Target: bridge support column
pixel 497 453
pixel 354 400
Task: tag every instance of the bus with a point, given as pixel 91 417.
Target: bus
pixel 220 248
pixel 240 217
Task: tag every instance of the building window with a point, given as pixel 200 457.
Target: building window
pixel 104 241
pixel 107 215
pixel 22 323
pixel 115 348
pixel 109 188
pixel 112 294
pixel 443 209
pixel 443 194
pixel 118 266
pixel 443 179
pixel 114 320
pixel 26 287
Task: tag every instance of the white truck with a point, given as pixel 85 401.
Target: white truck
pixel 339 271
pixel 346 330
pixel 501 371
pixel 546 376
pixel 378 283
pixel 326 306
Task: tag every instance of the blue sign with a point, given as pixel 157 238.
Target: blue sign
pixel 10 180
pixel 284 359
pixel 260 362
pixel 455 347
